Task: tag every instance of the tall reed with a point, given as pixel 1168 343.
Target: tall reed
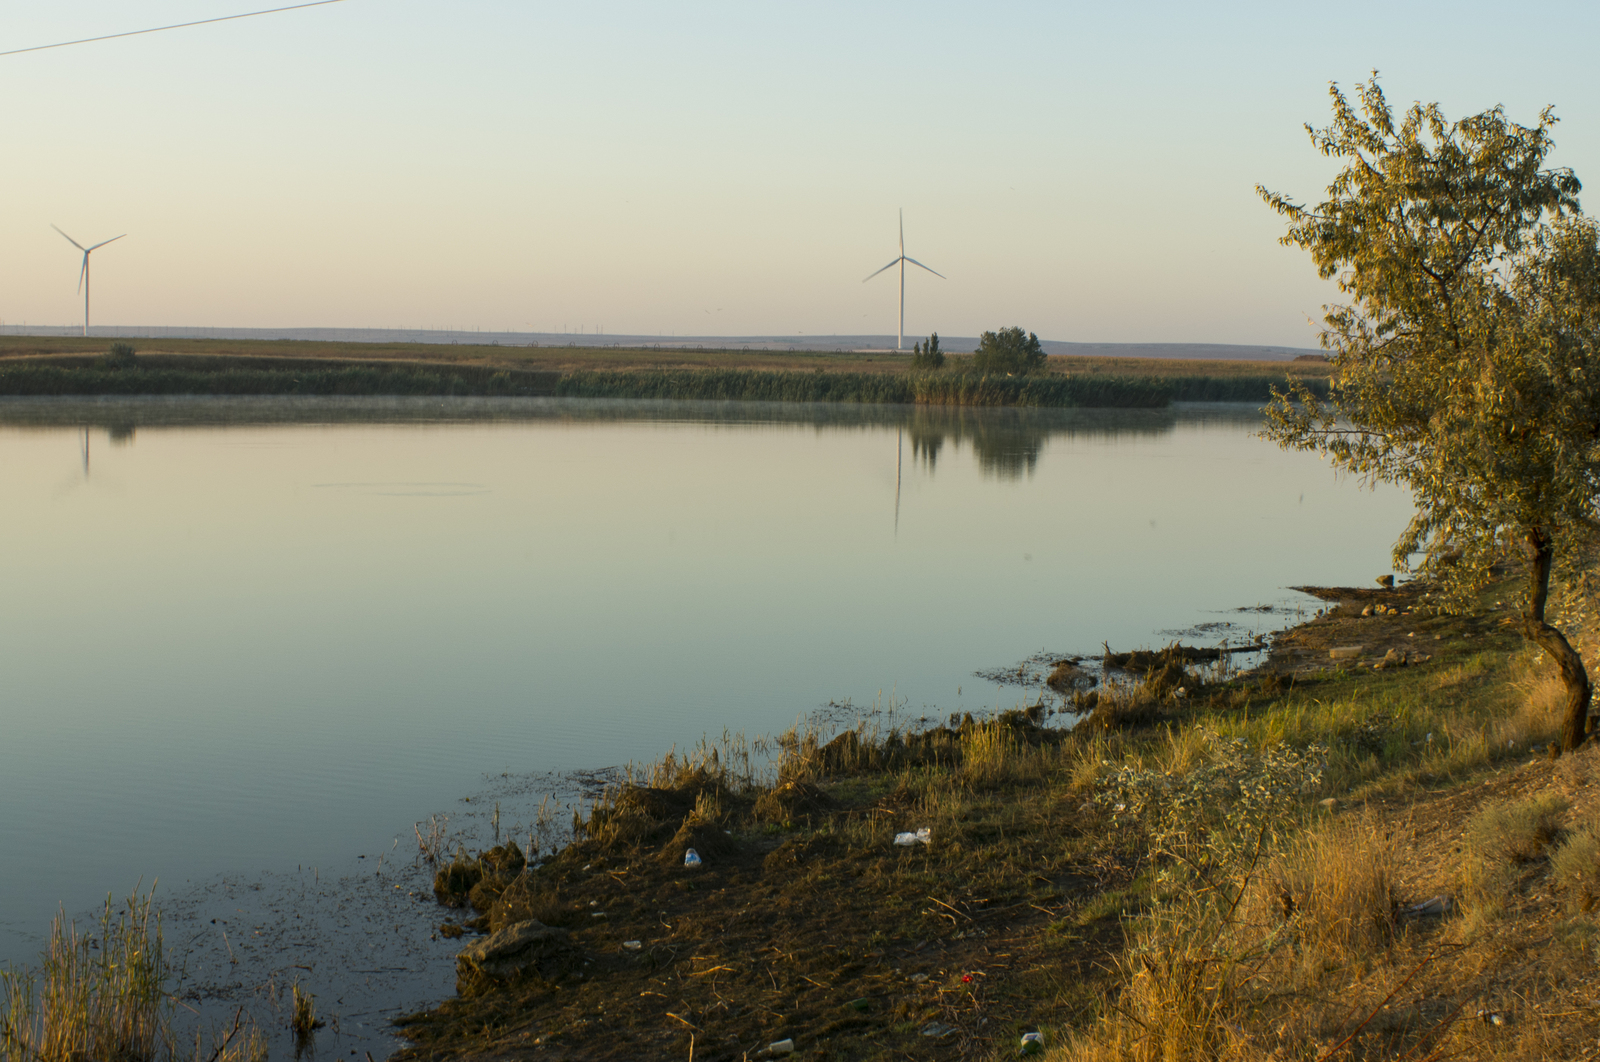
pixel 104 998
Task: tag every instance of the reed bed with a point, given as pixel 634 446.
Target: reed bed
pixel 126 373
pixel 946 389
pixel 155 375
pixel 104 997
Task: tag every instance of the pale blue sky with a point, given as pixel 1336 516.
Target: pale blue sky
pixel 1085 171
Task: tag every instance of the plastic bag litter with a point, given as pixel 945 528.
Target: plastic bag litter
pixel 1032 1043
pixel 922 836
pixel 691 858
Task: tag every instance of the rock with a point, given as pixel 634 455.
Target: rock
pixel 1394 658
pixel 1345 652
pixel 1366 612
pixel 1329 804
pixel 1386 581
pixel 527 947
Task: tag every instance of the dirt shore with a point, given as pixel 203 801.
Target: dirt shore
pixel 806 922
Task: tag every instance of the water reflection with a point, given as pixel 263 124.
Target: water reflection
pixel 268 634
pixel 1007 443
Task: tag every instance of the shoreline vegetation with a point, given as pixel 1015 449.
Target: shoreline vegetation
pixel 59 367
pixel 1358 849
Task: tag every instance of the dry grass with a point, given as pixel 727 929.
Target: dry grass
pixel 1576 867
pixel 1499 841
pixel 1330 895
pixel 1186 984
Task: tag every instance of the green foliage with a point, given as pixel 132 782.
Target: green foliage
pixel 120 356
pixel 1010 350
pixel 927 356
pixel 1467 363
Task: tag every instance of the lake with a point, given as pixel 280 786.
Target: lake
pixel 254 636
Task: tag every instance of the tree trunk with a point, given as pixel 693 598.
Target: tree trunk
pixel 1575 722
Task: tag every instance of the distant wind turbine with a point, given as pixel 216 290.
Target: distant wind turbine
pixel 83 275
pixel 900 339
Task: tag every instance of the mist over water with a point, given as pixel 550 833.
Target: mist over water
pixel 249 635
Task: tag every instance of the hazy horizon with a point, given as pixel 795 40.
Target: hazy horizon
pixel 863 342
pixel 1084 172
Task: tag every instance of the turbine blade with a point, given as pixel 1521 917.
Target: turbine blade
pixel 70 240
pixel 891 265
pixel 902 231
pixel 102 243
pixel 84 271
pixel 935 272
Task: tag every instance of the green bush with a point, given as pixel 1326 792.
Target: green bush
pixel 1010 350
pixel 927 356
pixel 120 356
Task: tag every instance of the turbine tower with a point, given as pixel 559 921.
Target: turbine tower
pixel 900 339
pixel 83 275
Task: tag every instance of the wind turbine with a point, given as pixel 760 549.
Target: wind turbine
pixel 900 339
pixel 83 276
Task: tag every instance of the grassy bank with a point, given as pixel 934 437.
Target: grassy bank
pixel 1294 863
pixel 167 374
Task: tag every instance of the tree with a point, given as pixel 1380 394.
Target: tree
pixel 927 356
pixel 1467 362
pixel 1010 350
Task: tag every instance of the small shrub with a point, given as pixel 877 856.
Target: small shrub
pixel 1218 813
pixel 120 356
pixel 1515 833
pixel 1576 866
pixel 927 356
pixel 1498 841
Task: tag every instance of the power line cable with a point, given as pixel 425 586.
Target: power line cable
pixel 179 25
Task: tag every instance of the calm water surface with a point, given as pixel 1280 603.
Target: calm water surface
pixel 248 636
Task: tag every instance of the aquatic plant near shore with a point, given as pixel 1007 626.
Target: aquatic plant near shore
pixel 105 997
pixel 303 1015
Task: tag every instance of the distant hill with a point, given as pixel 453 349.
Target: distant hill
pixel 953 344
